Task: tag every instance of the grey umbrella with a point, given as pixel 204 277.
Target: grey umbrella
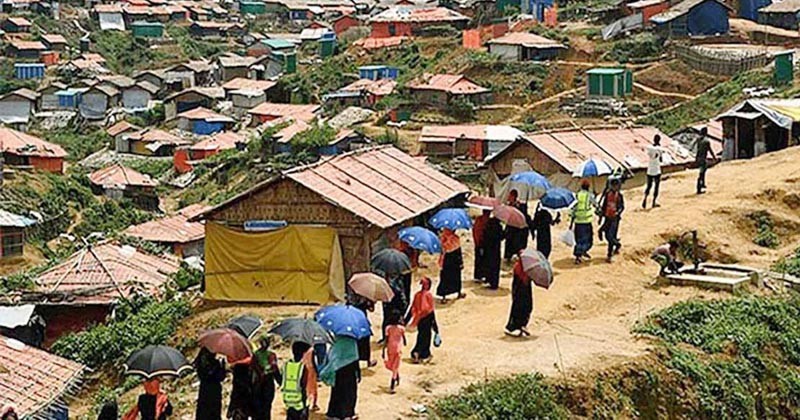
pixel 153 361
pixel 300 329
pixel 246 325
pixel 390 262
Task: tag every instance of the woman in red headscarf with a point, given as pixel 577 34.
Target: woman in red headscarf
pixel 423 316
pixel 451 263
pixel 152 405
pixel 521 302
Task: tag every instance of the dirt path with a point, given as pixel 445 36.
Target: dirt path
pixel 583 322
pixel 660 93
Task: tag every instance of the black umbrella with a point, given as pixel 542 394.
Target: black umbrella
pixel 153 361
pixel 246 325
pixel 303 330
pixel 390 262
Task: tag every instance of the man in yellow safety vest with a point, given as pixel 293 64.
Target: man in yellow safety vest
pixel 582 214
pixel 293 387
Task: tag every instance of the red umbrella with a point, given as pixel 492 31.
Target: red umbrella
pixel 511 216
pixel 482 202
pixel 537 267
pixel 227 341
pixel 371 286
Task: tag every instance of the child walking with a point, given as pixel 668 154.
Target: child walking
pixel 395 340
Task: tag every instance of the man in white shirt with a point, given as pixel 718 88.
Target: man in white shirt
pixel 655 155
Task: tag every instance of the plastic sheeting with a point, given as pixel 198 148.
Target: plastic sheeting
pixel 300 264
pixel 708 18
pixel 748 9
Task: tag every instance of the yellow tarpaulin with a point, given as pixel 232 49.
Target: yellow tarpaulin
pixel 293 264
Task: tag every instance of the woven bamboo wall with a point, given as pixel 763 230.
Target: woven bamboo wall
pixel 539 161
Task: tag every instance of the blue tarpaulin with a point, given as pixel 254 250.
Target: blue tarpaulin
pixel 748 9
pixel 708 18
pixel 205 127
pixel 29 70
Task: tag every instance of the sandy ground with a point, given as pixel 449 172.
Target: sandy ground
pixel 583 322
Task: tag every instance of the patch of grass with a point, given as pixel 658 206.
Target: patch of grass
pixel 152 167
pixel 789 264
pixel 109 217
pixel 193 48
pixel 707 105
pixel 637 48
pixel 126 54
pixel 765 235
pixel 79 143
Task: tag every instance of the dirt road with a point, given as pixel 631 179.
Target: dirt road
pixel 583 322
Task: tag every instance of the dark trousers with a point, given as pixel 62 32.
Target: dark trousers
pixel 701 177
pixel 612 235
pixel 654 182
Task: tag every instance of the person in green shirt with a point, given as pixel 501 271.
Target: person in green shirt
pixel 582 215
pixel 266 374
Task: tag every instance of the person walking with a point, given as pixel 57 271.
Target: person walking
pixel 364 349
pixel 266 374
pixel 521 302
pixel 478 229
pixel 423 316
pixel 612 205
pixel 703 146
pixel 311 377
pixel 516 238
pixel 152 405
pixel 293 384
pixel 396 307
pixel 492 244
pixel 342 373
pixel 395 340
pixel 211 373
pixel 582 214
pixel 451 262
pixel 240 406
pixel 540 229
pixel 109 410
pixel 655 157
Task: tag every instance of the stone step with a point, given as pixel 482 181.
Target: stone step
pixel 709 282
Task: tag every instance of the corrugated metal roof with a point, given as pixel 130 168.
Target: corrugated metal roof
pixel 101 274
pixel 370 43
pixel 419 15
pixel 23 144
pixel 221 141
pixel 456 84
pixel 171 229
pixel 449 133
pixel 303 113
pixel 249 84
pixel 380 87
pixel 205 114
pixel 31 380
pixel 383 186
pixel 618 147
pixel 526 39
pixel 8 219
pixel 116 176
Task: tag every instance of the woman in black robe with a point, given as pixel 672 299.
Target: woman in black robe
pixel 516 238
pixel 540 229
pixel 492 241
pixel 344 394
pixel 452 262
pixel 423 316
pixel 211 373
pixel 521 302
pixel 241 405
pixel 398 306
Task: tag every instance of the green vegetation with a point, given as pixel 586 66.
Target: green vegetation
pixel 79 142
pixel 126 54
pixel 138 324
pixel 309 85
pixel 149 166
pixel 638 48
pixel 707 105
pixel 737 359
pixel 519 397
pixel 109 217
pixel 186 277
pixel 195 49
pixel 789 264
pixel 765 235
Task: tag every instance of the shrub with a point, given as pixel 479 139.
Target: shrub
pixel 109 343
pixel 518 397
pixel 110 216
pixel 461 109
pixel 79 143
pixel 765 236
pixel 637 48
pixel 790 264
pixel 186 277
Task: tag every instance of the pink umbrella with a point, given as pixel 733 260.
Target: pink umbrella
pixel 371 286
pixel 226 341
pixel 482 202
pixel 537 267
pixel 511 216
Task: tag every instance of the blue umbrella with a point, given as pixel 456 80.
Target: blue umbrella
pixel 591 168
pixel 557 198
pixel 529 184
pixel 344 320
pixel 452 219
pixel 421 238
